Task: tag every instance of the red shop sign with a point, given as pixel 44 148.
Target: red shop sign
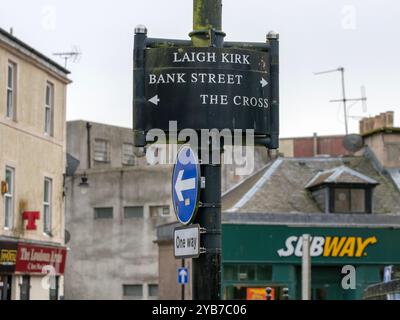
pixel 32 259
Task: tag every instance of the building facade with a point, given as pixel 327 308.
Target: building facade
pixel 350 205
pixel 114 203
pixel 314 146
pixel 32 166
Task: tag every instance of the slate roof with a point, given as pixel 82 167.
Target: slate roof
pixel 279 187
pixel 340 174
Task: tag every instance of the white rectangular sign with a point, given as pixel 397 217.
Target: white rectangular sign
pixel 187 242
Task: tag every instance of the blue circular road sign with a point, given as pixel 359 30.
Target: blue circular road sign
pixel 186 185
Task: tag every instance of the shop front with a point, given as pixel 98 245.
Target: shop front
pixel 31 271
pixel 259 256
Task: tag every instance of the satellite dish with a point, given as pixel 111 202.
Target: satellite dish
pixel 67 236
pixel 353 142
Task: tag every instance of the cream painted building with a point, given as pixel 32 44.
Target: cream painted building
pixel 32 167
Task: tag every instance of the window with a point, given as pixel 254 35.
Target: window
pixel 11 77
pixel 349 200
pixel 25 288
pixel 128 157
pixel 101 150
pixel 47 205
pixel 133 291
pixel 9 198
pixel 48 109
pixel 54 285
pixel 153 290
pixel 235 272
pixel 159 211
pixel 133 212
pixel 103 213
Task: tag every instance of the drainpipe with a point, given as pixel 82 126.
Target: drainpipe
pixel 88 139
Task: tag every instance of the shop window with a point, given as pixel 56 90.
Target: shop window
pixel 25 288
pixel 349 200
pixel 103 213
pixel 101 151
pixel 128 157
pixel 5 287
pixel 133 291
pixel 234 272
pixel 247 272
pixel 153 290
pixel 230 272
pixel 9 198
pixel 235 293
pixel 264 272
pixel 133 212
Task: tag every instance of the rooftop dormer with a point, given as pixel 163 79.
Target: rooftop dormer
pixel 342 190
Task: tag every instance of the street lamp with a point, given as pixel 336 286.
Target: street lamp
pixel 84 185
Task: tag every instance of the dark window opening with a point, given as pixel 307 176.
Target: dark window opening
pixel 103 213
pixel 351 200
pixel 133 212
pixel 25 288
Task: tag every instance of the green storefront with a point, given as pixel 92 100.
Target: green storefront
pixel 256 256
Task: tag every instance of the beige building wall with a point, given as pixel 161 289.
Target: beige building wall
pixel 386 147
pixel 33 154
pixel 286 147
pixel 25 147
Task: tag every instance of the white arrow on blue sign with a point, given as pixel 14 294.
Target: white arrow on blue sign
pixel 183 275
pixel 186 185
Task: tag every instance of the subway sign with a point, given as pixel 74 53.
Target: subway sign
pixel 330 245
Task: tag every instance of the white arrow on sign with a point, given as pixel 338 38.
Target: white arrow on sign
pixel 182 275
pixel 263 82
pixel 183 185
pixel 155 100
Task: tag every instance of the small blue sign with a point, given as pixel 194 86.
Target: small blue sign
pixel 183 276
pixel 185 185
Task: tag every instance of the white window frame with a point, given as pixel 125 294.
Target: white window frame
pixel 127 156
pixel 162 214
pixel 10 93
pixel 47 206
pixel 48 109
pixel 9 201
pixel 106 152
pixel 159 210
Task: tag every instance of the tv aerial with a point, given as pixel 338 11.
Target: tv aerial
pixel 344 100
pixel 75 55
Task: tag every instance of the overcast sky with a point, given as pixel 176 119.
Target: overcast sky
pixel 363 36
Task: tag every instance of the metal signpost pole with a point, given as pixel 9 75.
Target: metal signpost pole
pixel 183 285
pixel 306 268
pixel 204 84
pixel 206 270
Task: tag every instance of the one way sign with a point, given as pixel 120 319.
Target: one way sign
pixel 183 275
pixel 185 185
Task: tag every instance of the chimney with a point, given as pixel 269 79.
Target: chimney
pixel 315 144
pixel 381 121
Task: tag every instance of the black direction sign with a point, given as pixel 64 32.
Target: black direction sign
pixel 205 88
